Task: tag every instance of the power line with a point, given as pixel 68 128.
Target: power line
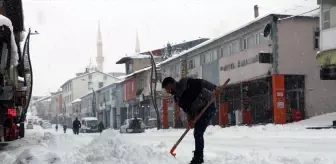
pixel 300 14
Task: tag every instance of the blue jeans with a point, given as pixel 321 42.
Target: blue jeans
pixel 200 127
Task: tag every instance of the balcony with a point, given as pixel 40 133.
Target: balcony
pixel 328 39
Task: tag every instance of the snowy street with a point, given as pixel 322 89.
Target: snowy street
pixel 270 144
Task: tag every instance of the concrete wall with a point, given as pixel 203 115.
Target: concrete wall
pixel 298 56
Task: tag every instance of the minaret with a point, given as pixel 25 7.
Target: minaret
pixel 100 57
pixel 137 44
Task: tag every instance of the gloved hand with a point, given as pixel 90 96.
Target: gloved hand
pixel 191 124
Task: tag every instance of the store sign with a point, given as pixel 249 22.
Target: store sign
pixel 240 63
pixel 242 67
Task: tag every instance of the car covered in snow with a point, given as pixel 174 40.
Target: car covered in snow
pixel 30 125
pixel 46 125
pixel 89 125
pixel 152 123
pixel 133 125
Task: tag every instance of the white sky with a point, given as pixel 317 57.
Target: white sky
pixel 68 29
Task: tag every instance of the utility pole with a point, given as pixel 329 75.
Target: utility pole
pixel 274 37
pixel 93 103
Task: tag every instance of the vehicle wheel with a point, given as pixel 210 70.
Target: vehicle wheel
pixel 22 130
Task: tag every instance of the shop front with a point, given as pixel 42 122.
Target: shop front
pixel 255 96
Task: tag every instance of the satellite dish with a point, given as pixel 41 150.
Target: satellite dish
pixel 267 30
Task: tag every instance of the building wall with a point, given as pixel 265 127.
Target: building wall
pixel 297 56
pixel 56 105
pixel 82 85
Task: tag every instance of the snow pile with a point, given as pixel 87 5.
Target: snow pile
pixel 15 56
pixel 110 147
pixel 322 120
pixel 34 148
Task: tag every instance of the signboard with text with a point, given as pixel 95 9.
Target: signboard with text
pixel 242 67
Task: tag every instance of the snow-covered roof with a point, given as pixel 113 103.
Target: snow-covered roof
pixel 15 56
pixel 85 74
pixel 137 56
pixel 312 14
pixel 77 100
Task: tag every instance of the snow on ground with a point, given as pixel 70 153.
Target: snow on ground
pixel 269 144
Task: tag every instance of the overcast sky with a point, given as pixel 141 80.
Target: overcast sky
pixel 68 29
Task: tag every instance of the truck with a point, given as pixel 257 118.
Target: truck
pixel 89 125
pixel 16 78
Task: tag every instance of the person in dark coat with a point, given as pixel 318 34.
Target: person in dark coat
pixel 192 95
pixel 76 125
pixel 56 127
pixel 65 128
pixel 101 127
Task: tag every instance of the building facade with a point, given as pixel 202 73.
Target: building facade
pixel 327 55
pixel 56 105
pixel 83 84
pixel 249 60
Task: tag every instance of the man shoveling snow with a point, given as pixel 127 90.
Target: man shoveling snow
pixel 192 95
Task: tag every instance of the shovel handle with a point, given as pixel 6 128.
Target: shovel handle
pixel 200 114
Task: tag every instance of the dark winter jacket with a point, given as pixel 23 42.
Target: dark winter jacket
pixel 191 92
pixel 76 124
pixel 101 126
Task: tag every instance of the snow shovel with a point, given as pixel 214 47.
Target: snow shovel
pixel 199 115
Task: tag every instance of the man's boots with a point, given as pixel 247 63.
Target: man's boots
pixel 198 158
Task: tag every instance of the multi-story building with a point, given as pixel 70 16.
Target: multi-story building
pixel 56 105
pixel 82 84
pixel 327 55
pixel 136 84
pixel 105 103
pixel 136 62
pixel 271 77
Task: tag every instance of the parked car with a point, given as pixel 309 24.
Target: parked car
pixel 133 125
pixel 46 125
pixel 152 123
pixel 30 125
pixel 89 125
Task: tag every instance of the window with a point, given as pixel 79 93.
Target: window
pixel 141 83
pixel 316 38
pixel 191 64
pixel 230 49
pixel 89 85
pixel 235 47
pixel 100 84
pixel 257 38
pixel 221 52
pixel 214 55
pixel 244 46
pixel 207 57
pixel 326 18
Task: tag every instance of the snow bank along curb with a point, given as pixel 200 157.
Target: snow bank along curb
pixel 112 148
